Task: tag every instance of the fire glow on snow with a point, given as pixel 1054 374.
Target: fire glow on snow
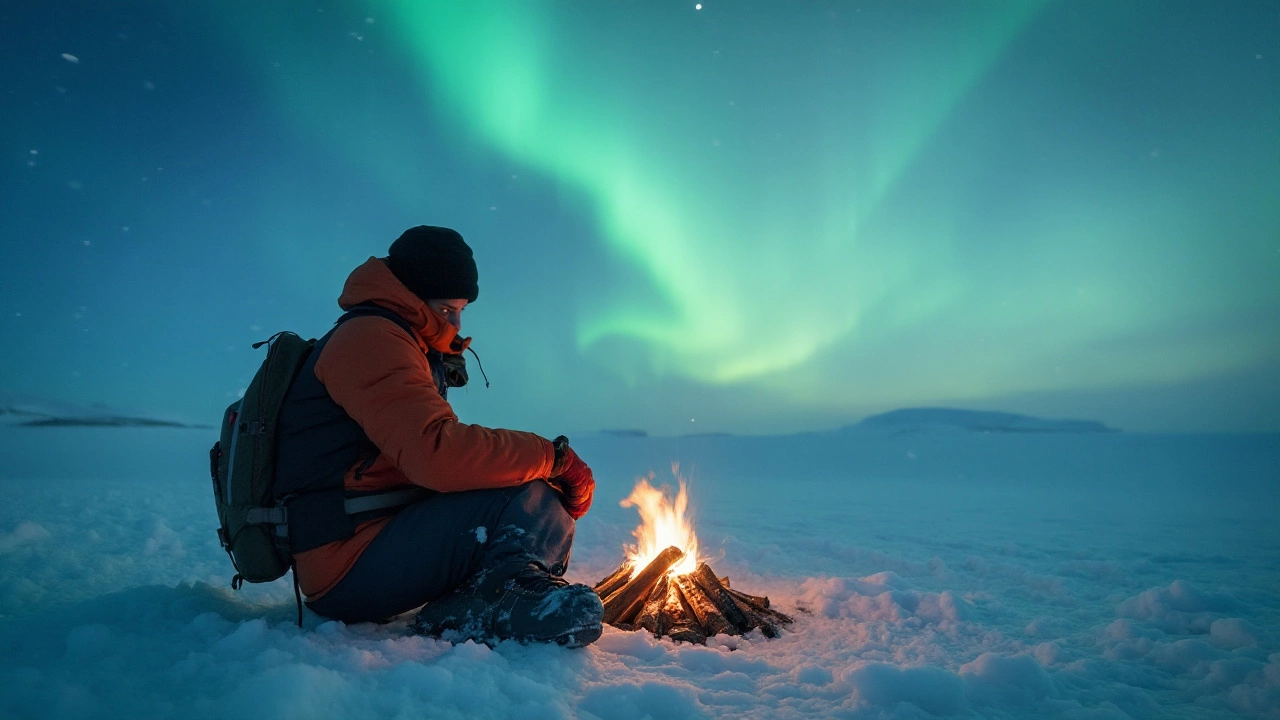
pixel 953 572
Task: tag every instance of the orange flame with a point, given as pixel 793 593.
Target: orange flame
pixel 662 524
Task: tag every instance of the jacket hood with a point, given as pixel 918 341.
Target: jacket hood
pixel 373 282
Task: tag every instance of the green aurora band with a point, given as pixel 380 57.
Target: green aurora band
pixel 539 88
pixel 779 205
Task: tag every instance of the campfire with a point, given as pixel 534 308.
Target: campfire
pixel 664 588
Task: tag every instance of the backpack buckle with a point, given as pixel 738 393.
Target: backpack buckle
pixel 278 516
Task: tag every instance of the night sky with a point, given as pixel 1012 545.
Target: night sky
pixel 755 217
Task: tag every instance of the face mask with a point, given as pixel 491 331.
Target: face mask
pixel 455 370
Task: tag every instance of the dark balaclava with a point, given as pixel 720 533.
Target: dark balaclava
pixel 435 263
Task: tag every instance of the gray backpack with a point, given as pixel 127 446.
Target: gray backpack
pixel 253 528
pixel 253 524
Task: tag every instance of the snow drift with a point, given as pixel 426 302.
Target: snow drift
pixel 934 573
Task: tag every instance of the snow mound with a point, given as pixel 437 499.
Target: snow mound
pixel 883 597
pixel 1178 607
pixel 932 689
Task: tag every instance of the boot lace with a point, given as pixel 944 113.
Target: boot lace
pixel 535 579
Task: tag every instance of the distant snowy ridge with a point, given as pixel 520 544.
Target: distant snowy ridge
pixel 27 411
pixel 625 432
pixel 904 420
pixel 975 420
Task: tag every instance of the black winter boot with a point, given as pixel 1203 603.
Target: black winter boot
pixel 515 602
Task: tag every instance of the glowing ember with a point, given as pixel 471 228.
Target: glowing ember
pixel 662 524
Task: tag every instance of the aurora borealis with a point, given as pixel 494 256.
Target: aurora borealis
pixel 758 217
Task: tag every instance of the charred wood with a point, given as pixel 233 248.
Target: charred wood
pixel 713 621
pixel 684 625
pixel 755 619
pixel 687 608
pixel 648 617
pixel 686 630
pixel 671 611
pixel 625 603
pixel 753 599
pixel 607 586
pixel 707 581
pixel 761 609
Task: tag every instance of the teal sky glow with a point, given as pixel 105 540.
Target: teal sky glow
pixel 751 217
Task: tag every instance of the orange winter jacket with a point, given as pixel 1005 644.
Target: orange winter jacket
pixel 381 378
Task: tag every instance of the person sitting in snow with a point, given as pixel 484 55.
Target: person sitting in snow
pixel 487 543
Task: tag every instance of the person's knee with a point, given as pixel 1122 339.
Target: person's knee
pixel 539 497
pixel 542 511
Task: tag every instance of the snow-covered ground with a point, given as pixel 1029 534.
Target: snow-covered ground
pixel 946 571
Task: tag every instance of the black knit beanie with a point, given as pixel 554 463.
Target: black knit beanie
pixel 435 263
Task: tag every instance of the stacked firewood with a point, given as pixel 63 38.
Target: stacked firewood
pixel 690 607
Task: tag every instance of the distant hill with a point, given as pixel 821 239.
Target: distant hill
pixel 625 432
pixel 976 421
pixel 919 419
pixel 29 411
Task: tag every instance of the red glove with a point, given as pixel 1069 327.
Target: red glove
pixel 573 479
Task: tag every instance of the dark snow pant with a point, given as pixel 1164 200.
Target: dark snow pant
pixel 433 546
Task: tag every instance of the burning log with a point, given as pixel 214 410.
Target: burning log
pixel 686 631
pixel 669 612
pixel 607 586
pixel 710 585
pixel 624 604
pixel 669 596
pixel 761 601
pixel 690 607
pixel 704 608
pixel 684 623
pixel 760 606
pixel 652 609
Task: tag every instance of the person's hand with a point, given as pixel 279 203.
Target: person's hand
pixel 573 478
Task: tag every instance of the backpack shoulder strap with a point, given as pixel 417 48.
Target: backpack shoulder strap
pixel 378 311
